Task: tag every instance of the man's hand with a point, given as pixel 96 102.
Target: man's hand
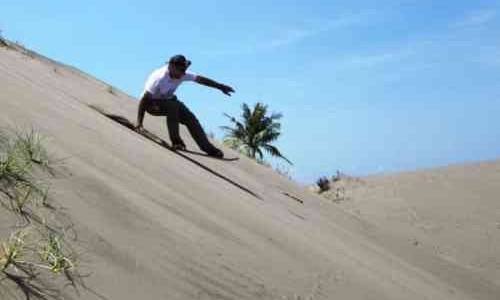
pixel 226 89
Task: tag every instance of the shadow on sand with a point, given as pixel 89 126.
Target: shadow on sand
pixel 154 138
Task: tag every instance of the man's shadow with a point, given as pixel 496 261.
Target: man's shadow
pixel 154 138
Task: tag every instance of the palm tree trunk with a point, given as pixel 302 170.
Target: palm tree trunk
pixel 253 151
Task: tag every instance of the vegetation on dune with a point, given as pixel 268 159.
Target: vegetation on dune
pixel 254 133
pixel 338 187
pixel 37 259
pixel 323 184
pixel 111 90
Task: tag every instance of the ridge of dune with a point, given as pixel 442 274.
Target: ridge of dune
pixel 157 226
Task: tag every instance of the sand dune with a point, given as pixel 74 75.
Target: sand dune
pixel 452 212
pixel 155 225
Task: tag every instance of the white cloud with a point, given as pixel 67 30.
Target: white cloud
pixel 290 36
pixel 384 57
pixel 369 60
pixel 476 18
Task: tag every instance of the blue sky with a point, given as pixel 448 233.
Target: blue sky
pixel 365 87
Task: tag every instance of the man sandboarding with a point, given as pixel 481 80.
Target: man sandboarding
pixel 158 99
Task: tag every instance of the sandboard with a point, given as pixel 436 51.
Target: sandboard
pixel 151 136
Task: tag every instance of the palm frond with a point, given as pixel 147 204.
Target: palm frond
pixel 254 132
pixel 246 115
pixel 275 152
pixel 259 152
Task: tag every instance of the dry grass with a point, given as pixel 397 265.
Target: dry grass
pixel 38 246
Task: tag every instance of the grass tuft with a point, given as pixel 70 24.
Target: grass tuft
pixel 29 144
pixel 12 250
pixel 24 192
pixel 53 254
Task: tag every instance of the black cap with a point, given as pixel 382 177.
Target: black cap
pixel 179 60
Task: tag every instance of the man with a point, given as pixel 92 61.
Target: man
pixel 159 99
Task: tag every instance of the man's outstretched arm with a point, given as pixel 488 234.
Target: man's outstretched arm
pixel 226 89
pixel 146 97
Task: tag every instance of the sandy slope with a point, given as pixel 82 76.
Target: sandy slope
pixel 452 212
pixel 157 226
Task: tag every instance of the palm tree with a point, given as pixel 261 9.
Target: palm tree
pixel 255 132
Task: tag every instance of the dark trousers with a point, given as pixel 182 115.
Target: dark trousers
pixel 176 112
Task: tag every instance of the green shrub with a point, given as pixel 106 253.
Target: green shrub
pixel 323 183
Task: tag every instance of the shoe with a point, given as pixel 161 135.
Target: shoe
pixel 217 153
pixel 178 146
